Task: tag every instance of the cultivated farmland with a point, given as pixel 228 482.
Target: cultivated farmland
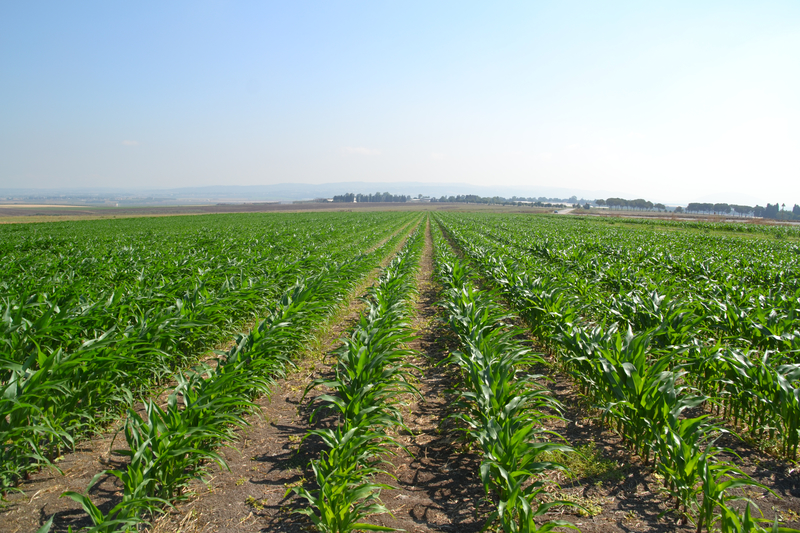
pixel 527 372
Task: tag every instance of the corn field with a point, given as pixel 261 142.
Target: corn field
pixel 653 327
pixel 169 331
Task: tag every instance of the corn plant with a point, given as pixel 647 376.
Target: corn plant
pixel 370 380
pixel 345 496
pixel 641 381
pixel 501 411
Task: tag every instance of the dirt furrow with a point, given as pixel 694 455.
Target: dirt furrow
pixel 437 485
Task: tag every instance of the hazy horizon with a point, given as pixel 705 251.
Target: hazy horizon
pixel 305 191
pixel 676 103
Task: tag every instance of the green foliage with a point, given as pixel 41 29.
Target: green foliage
pixel 588 463
pixel 371 377
pixel 651 325
pixel 94 314
pixel 502 410
pixel 170 445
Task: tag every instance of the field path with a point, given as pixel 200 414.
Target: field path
pixel 438 485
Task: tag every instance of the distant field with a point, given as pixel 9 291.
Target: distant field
pixel 29 206
pixel 50 213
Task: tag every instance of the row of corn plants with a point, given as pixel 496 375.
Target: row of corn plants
pixel 75 358
pixel 777 231
pixel 731 315
pixel 173 444
pixel 745 295
pixel 500 403
pixel 754 392
pixel 370 379
pixel 640 389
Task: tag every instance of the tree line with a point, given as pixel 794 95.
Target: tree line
pixel 639 204
pixel 377 197
pixel 775 211
pixel 461 198
pixel 495 200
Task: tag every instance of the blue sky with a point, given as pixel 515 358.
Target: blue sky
pixel 675 102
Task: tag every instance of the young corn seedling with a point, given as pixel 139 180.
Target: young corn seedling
pixel 370 377
pixel 502 413
pixel 345 496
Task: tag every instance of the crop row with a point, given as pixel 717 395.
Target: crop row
pixel 171 445
pixel 638 379
pixel 76 357
pixel 500 403
pixel 365 394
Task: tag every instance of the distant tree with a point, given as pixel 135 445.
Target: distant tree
pixel 679 209
pixel 600 202
pixel 742 209
pixel 696 207
pixel 377 197
pixel 771 211
pixel 349 197
pixel 660 207
pixel 722 208
pixel 587 206
pixel 616 202
pixel 796 212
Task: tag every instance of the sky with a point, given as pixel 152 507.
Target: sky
pixel 668 101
